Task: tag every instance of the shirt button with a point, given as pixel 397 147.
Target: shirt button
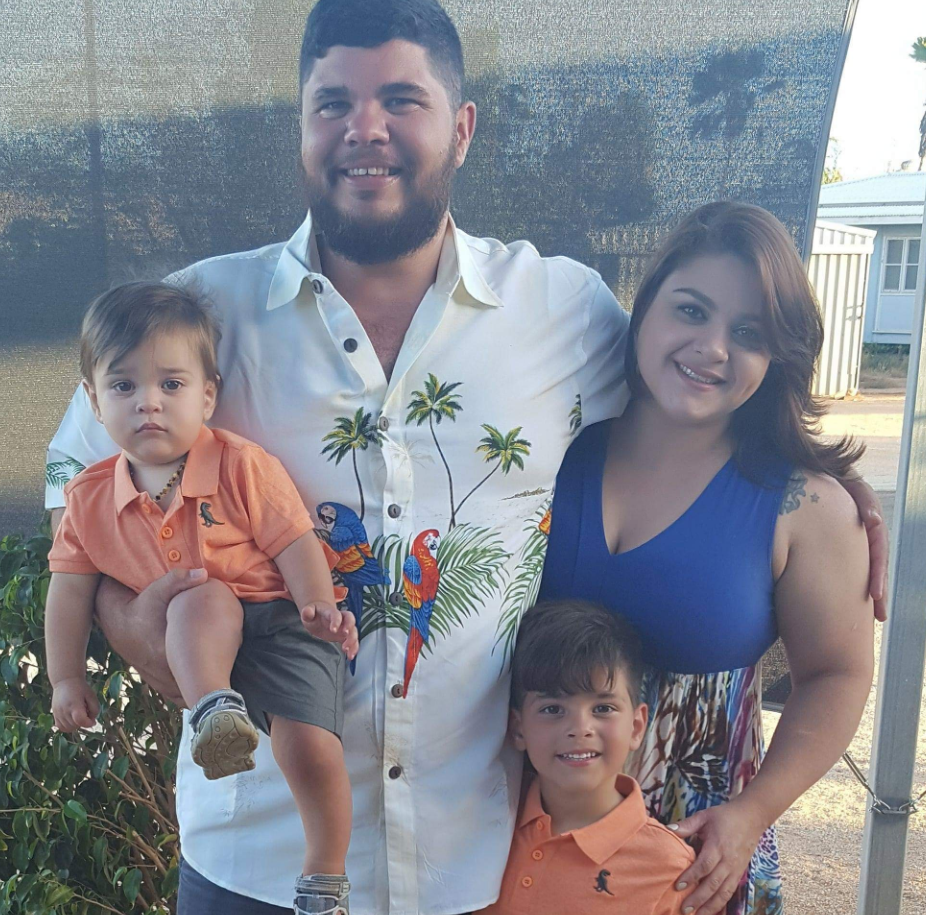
pixel 396 690
pixel 395 772
pixel 318 287
pixel 146 508
pixel 537 854
pixel 539 825
pixel 527 882
pixel 167 532
pixel 174 556
pixel 394 510
pixel 395 598
pixel 383 424
pixel 350 344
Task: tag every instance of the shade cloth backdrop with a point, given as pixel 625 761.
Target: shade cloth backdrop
pixel 136 137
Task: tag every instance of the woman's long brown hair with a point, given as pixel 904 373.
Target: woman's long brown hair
pixel 782 418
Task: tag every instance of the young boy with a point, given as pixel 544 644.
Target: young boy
pixel 180 495
pixel 583 841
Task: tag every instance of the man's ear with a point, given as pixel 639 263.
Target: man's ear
pixel 516 730
pixel 463 132
pixel 640 716
pixel 91 395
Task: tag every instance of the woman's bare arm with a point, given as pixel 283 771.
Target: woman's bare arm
pixel 825 620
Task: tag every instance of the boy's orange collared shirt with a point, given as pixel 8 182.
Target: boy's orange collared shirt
pixel 236 509
pixel 624 864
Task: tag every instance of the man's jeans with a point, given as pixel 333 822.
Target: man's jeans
pixel 200 897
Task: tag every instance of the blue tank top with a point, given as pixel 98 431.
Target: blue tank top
pixel 700 593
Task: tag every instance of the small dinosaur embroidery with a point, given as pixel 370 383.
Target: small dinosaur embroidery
pixel 601 882
pixel 206 515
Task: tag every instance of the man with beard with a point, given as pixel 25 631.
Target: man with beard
pixel 394 364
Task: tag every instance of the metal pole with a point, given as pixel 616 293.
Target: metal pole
pixel 903 650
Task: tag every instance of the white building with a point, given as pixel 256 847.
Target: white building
pixel 892 205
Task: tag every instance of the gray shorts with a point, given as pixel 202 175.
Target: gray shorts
pixel 282 670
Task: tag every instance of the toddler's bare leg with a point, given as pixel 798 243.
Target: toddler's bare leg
pixel 203 637
pixel 312 760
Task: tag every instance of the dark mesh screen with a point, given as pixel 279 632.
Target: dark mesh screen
pixel 137 137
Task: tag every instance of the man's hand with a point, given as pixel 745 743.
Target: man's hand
pixel 869 510
pixel 74 704
pixel 728 835
pixel 326 622
pixel 135 625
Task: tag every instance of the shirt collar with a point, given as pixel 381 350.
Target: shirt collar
pixel 603 839
pixel 201 474
pixel 457 273
pixel 124 490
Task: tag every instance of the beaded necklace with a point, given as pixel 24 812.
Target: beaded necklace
pixel 173 479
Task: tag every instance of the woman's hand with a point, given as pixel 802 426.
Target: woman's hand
pixel 727 835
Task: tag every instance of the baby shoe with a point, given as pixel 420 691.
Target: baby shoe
pixel 322 894
pixel 223 737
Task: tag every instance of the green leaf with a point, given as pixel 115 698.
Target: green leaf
pixel 57 895
pixel 132 884
pixel 75 811
pixel 99 765
pixel 120 766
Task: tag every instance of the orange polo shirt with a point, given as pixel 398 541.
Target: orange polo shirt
pixel 624 864
pixel 236 509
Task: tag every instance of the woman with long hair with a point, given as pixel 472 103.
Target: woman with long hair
pixel 711 516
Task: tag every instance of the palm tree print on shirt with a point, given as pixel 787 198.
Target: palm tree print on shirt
pixel 435 403
pixel 506 450
pixel 575 415
pixel 521 592
pixel 58 473
pixel 350 435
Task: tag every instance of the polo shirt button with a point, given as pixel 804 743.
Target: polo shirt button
pixel 539 824
pixel 174 556
pixel 537 854
pixel 395 598
pixel 350 344
pixel 395 772
pixel 146 508
pixel 527 882
pixel 396 690
pixel 394 510
pixel 167 532
pixel 318 287
pixel 383 424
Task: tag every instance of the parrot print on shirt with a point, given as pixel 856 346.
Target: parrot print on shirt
pixel 356 563
pixel 421 578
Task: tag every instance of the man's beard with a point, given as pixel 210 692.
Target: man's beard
pixel 378 241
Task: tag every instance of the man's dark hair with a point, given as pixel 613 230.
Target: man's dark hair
pixel 564 645
pixel 371 23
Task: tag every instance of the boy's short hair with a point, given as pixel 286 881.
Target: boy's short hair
pixel 562 645
pixel 120 320
pixel 371 23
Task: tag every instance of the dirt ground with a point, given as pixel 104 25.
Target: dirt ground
pixel 821 835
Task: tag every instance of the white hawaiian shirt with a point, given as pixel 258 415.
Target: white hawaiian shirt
pixel 435 488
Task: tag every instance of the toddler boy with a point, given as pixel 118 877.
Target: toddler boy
pixel 264 619
pixel 583 841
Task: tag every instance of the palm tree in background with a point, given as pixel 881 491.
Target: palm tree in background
pixel 352 434
pixel 919 55
pixel 435 403
pixel 506 450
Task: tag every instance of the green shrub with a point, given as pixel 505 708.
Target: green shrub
pixel 87 821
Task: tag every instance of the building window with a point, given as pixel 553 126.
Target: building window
pixel 901 258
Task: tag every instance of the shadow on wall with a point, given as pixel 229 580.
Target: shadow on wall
pixel 586 161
